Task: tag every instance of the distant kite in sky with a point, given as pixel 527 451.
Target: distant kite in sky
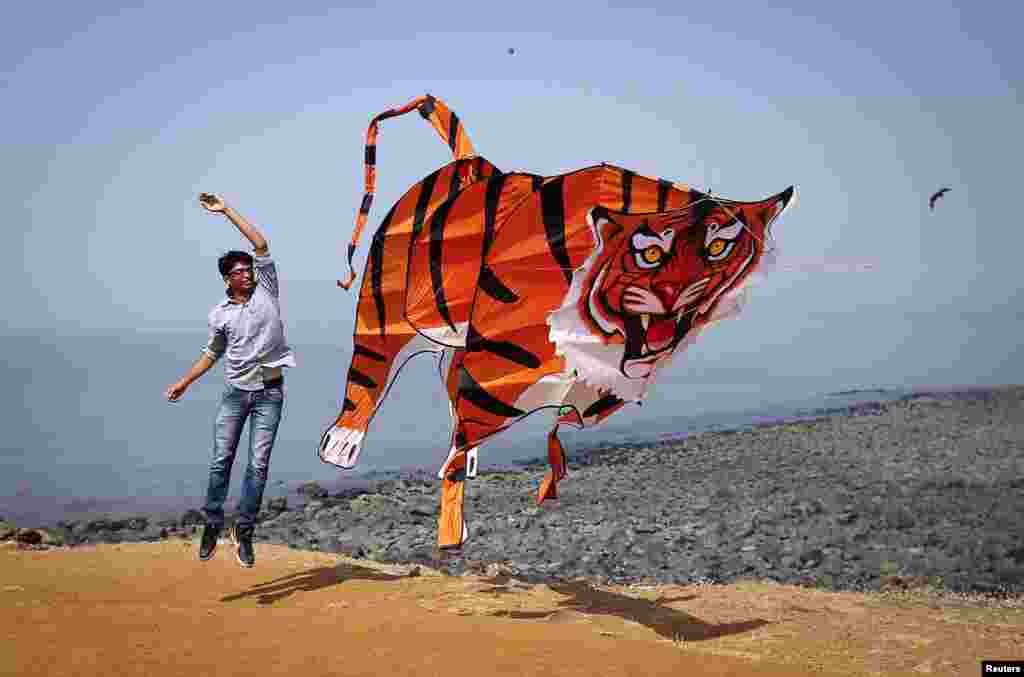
pixel 511 50
pixel 568 293
pixel 936 196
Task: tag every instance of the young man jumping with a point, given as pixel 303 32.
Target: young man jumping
pixel 246 329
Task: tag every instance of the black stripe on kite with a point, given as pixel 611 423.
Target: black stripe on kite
pixel 491 199
pixel 436 252
pixel 536 183
pixel 348 406
pixel 427 107
pixel 664 187
pixel 475 342
pixel 627 189
pixel 493 287
pixel 366 352
pixel 460 439
pixel 602 405
pixel 371 154
pixel 553 209
pixel 377 267
pixel 472 391
pixel 455 182
pixel 453 129
pixel 361 379
pixel 422 202
pixel 364 207
pixel 351 253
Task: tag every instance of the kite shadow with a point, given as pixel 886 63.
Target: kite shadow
pixel 655 614
pixel 308 581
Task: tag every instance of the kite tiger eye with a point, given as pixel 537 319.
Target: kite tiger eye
pixel 652 254
pixel 716 247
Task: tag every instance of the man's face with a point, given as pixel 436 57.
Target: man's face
pixel 240 277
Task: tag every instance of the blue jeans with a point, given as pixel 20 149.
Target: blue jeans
pixel 263 409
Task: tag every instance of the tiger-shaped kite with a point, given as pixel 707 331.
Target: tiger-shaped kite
pixel 565 292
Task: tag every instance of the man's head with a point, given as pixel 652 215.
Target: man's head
pixel 236 269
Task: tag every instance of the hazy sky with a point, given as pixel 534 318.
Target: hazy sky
pixel 115 118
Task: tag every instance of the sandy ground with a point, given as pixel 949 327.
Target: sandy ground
pixel 153 609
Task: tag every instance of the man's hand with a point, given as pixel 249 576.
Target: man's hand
pixel 175 391
pixel 212 202
pixel 178 388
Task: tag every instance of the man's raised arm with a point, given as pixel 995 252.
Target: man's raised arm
pixel 213 203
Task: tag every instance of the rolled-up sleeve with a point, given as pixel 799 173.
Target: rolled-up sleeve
pixel 217 341
pixel 266 274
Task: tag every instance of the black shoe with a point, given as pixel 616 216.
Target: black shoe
pixel 208 543
pixel 244 551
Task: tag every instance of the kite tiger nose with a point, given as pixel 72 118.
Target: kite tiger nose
pixel 341 446
pixel 667 293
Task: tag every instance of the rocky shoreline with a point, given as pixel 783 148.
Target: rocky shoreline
pixel 924 490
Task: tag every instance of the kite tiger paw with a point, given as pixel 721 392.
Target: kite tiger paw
pixel 341 446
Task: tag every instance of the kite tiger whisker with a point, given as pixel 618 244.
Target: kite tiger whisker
pixel 566 293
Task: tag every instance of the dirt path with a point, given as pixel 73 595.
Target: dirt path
pixel 155 610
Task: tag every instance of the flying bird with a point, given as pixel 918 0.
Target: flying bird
pixel 936 196
pixel 511 50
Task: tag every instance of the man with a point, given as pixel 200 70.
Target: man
pixel 245 328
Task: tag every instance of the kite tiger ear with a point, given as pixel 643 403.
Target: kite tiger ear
pixel 778 204
pixel 788 197
pixel 769 209
pixel 783 200
pixel 600 221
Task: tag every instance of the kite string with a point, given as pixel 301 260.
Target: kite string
pixel 735 217
pixel 445 122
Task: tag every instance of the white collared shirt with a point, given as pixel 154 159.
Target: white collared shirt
pixel 250 335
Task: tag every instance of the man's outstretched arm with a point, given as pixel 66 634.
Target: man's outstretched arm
pixel 212 352
pixel 214 203
pixel 178 388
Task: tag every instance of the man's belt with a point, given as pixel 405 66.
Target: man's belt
pixel 274 382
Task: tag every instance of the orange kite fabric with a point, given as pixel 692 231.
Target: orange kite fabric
pixel 567 293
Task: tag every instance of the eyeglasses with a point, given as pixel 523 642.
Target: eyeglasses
pixel 239 271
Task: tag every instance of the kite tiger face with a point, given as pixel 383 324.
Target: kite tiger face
pixel 657 276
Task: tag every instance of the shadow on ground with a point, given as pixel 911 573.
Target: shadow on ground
pixel 580 598
pixel 308 581
pixel 655 614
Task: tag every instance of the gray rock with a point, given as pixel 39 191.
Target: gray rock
pixel 154 532
pixel 371 503
pixel 29 536
pixel 137 523
pixel 922 489
pixel 311 490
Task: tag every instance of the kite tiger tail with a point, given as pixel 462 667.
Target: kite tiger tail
pixel 451 131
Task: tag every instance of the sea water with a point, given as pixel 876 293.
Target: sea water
pixel 87 428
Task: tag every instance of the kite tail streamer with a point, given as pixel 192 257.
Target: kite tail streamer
pixel 451 523
pixel 451 131
pixel 557 461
